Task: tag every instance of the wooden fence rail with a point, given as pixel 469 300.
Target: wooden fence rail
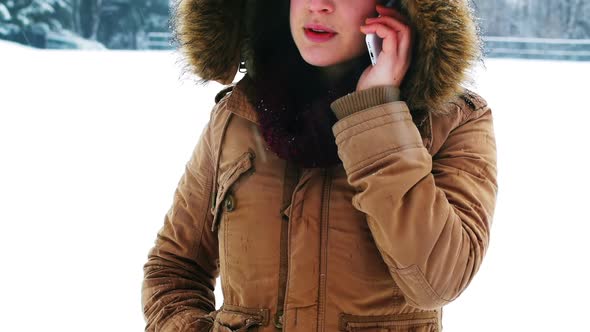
pixel 537 48
pixel 495 47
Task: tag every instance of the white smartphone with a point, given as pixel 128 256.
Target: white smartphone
pixel 374 42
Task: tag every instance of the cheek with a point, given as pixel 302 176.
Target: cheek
pixel 368 10
pixel 294 8
pixel 358 17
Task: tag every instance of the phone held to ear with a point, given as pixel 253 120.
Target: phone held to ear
pixel 374 42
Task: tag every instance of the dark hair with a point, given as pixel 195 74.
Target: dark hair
pixel 292 99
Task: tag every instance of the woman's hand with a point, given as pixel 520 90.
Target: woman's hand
pixel 394 60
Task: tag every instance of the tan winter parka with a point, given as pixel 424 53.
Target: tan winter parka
pixel 380 242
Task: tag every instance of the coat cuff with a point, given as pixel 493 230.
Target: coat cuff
pixel 360 100
pixel 390 125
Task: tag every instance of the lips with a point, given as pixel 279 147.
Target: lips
pixel 318 33
pixel 318 27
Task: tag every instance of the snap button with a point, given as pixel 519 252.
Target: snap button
pixel 229 203
pixel 279 320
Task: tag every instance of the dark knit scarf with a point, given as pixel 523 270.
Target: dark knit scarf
pixel 292 101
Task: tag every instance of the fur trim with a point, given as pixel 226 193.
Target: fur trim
pixel 214 35
pixel 208 34
pixel 447 45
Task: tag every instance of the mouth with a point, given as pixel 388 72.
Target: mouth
pixel 318 33
pixel 318 28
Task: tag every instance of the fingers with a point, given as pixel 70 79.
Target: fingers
pixel 394 60
pixel 389 36
pixel 398 22
pixel 393 23
pixel 388 27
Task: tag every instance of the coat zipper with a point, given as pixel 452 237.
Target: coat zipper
pixel 325 208
pixel 290 182
pixel 323 249
pixel 283 320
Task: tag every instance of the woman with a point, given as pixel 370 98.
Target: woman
pixel 328 194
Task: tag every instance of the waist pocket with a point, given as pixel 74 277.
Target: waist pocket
pixel 232 318
pixel 424 321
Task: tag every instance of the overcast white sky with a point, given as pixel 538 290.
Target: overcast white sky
pixel 92 146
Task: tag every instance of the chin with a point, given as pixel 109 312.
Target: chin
pixel 327 58
pixel 319 61
pixel 324 60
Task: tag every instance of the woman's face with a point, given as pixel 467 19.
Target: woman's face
pixel 342 17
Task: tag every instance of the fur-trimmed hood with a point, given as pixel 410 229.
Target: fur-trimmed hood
pixel 214 36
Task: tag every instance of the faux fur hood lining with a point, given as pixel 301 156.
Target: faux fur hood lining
pixel 215 35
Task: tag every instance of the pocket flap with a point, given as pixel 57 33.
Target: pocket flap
pixel 238 167
pixel 234 318
pixel 422 321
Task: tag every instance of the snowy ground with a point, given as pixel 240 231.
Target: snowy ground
pixel 92 145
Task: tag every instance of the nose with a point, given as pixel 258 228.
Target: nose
pixel 321 6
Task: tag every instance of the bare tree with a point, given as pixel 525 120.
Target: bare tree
pixel 76 25
pixel 534 18
pixel 90 11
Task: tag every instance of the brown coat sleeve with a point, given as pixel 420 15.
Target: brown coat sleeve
pixel 430 216
pixel 179 276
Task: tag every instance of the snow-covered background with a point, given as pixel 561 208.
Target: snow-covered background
pixel 92 145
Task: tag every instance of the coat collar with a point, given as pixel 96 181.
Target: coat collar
pixel 239 104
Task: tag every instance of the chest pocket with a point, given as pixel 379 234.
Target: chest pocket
pixel 224 199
